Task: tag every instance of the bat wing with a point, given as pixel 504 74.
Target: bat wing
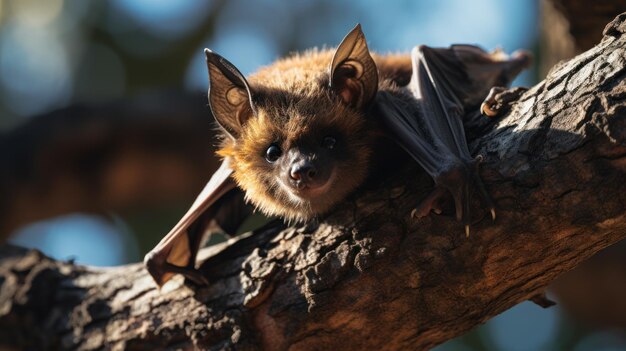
pixel 176 252
pixel 445 83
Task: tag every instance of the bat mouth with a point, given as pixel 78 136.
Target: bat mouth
pixel 309 191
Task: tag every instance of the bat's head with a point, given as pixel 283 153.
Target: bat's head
pixel 297 132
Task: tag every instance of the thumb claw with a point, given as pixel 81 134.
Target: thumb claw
pixel 487 110
pixel 493 214
pixel 467 230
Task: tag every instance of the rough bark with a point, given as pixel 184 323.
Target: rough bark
pixel 592 294
pixel 569 27
pixel 368 276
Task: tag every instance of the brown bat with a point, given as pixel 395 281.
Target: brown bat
pixel 303 133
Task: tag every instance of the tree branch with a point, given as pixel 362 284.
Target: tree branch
pixel 569 27
pixel 368 276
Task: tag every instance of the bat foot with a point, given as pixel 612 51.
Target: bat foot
pixel 460 180
pixel 161 270
pixel 431 203
pixel 499 100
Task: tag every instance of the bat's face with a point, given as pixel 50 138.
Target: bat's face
pixel 297 134
pixel 298 157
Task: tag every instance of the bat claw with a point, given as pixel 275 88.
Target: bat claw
pixel 488 110
pixel 500 100
pixel 430 203
pixel 490 106
pixel 460 180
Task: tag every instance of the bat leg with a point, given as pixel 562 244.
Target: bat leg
pixel 454 174
pixel 480 187
pixel 445 84
pixel 499 100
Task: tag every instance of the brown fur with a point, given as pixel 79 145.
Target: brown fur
pixel 294 104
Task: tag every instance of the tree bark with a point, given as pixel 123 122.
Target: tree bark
pixel 368 276
pixel 569 27
pixel 592 294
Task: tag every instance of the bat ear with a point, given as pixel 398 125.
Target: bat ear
pixel 353 73
pixel 229 94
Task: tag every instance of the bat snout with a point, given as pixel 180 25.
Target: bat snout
pixel 305 175
pixel 304 172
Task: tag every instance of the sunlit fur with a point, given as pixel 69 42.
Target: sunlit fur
pixel 293 102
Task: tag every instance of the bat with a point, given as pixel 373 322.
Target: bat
pixel 300 135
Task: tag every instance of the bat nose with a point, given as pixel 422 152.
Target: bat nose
pixel 304 172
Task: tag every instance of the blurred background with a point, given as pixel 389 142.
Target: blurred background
pixel 106 138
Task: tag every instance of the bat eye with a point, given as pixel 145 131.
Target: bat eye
pixel 329 142
pixel 273 153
